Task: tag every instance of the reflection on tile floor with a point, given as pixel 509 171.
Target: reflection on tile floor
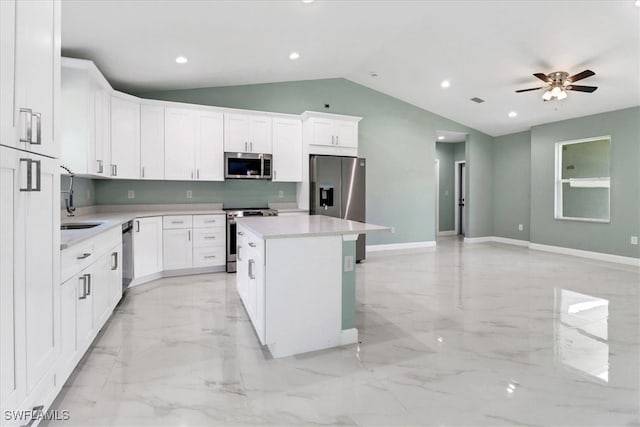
pixel 483 334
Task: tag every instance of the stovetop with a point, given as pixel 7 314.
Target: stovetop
pixel 241 212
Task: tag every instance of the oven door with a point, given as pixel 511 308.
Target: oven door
pixel 243 166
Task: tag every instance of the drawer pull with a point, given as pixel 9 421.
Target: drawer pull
pixel 177 222
pixel 209 237
pixel 209 221
pixel 209 256
pixel 84 255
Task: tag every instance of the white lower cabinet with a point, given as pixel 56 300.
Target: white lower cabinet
pixel 29 279
pixel 87 300
pixel 250 278
pixel 147 246
pixel 196 241
pixel 177 249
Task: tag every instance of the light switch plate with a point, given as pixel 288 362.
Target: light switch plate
pixel 520 227
pixel 348 263
pixel 634 240
pixel 131 194
pixel 189 194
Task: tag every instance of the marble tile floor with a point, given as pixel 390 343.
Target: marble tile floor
pixel 462 335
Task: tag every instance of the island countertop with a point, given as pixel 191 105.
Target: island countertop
pixel 307 225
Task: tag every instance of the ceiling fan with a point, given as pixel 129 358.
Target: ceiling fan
pixel 559 82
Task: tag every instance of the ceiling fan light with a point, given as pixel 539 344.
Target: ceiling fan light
pixel 556 91
pixel 562 95
pixel 547 95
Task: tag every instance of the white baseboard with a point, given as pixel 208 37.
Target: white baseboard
pixel 400 246
pixel 447 233
pixel 586 254
pixel 175 273
pixel 478 239
pixel 516 242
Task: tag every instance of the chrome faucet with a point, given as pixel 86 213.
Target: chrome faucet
pixel 68 201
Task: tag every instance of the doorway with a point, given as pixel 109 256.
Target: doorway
pixel 460 197
pixel 437 167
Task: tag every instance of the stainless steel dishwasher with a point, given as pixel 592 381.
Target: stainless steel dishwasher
pixel 127 254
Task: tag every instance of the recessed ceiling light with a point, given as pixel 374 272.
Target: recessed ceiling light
pixel 638 3
pixel 445 84
pixel 181 60
pixel 294 55
pixel 307 1
pixel 513 114
pixel 441 137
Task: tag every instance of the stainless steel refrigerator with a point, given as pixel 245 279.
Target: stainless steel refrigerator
pixel 337 188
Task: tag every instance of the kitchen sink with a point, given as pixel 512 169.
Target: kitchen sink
pixel 79 226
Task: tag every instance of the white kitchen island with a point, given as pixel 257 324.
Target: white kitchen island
pixel 296 279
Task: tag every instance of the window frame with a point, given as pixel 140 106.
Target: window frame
pixel 558 181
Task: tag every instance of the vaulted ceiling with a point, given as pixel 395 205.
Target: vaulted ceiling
pixel 486 49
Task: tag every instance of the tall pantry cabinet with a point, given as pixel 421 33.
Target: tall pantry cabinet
pixel 29 206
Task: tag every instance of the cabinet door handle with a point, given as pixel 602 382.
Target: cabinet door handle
pixel 38 141
pixel 275 174
pixel 192 174
pixel 88 276
pixel 100 166
pixel 189 234
pixel 197 173
pixel 84 287
pixel 114 257
pixel 29 124
pixel 137 226
pixel 142 172
pixel 337 139
pixel 238 253
pixel 245 146
pixel 84 255
pixel 38 186
pixel 29 174
pixel 251 146
pixel 333 140
pixel 30 171
pixel 251 275
pixel 114 170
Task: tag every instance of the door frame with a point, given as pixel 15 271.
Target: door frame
pixel 437 172
pixel 456 198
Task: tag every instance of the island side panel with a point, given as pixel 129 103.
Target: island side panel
pixel 349 282
pixel 303 290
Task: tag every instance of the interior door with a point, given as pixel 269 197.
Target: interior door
pixel 462 199
pixel 326 186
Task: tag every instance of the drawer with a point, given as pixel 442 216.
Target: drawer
pixel 76 258
pixel 209 257
pixel 206 237
pixel 207 221
pixel 177 221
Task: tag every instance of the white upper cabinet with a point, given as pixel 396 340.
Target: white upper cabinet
pixel 247 133
pixel 30 74
pixel 193 145
pixel 209 157
pixel 86 119
pixel 287 150
pixel 125 137
pixel 331 130
pixel 152 141
pixel 179 145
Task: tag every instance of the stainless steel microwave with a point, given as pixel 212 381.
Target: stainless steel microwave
pixel 247 166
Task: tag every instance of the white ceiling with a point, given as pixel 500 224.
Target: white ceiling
pixel 486 49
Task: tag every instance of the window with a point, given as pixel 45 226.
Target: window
pixel 583 179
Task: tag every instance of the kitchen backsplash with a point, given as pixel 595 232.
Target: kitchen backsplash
pixel 84 191
pixel 235 193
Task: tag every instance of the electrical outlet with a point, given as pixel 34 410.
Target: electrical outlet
pixel 348 263
pixel 634 240
pixel 520 227
pixel 281 194
pixel 189 194
pixel 131 194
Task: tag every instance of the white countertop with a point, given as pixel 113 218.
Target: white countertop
pixel 302 226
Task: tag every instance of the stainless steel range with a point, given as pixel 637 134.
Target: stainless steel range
pixel 232 214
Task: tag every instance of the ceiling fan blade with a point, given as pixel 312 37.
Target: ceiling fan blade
pixel 543 77
pixel 580 76
pixel 527 90
pixel 582 88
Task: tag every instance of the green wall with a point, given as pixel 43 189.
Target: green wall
pixel 396 138
pixel 448 154
pixel 84 191
pixel 511 185
pixel 236 193
pixel 614 238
